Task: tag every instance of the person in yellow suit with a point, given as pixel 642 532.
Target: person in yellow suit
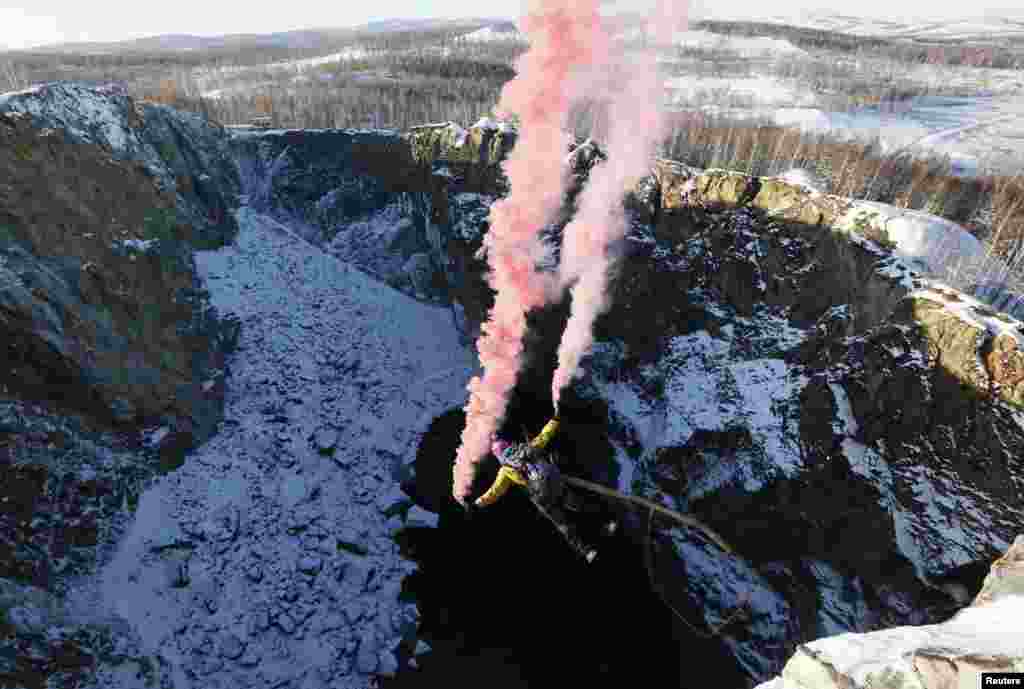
pixel 530 465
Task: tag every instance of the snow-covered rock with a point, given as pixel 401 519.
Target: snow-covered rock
pixel 175 148
pixel 289 547
pixel 100 287
pixel 984 637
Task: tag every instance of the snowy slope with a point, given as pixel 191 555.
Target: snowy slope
pixel 266 527
pixel 747 46
pixel 983 637
pixel 987 29
pixel 492 33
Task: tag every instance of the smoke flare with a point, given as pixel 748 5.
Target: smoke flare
pixel 564 35
pixel 636 126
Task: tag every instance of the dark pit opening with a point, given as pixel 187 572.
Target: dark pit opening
pixel 506 603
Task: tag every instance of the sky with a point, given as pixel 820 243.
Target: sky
pixel 28 23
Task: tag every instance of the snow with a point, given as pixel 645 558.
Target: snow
pixel 488 123
pixel 976 131
pixel 31 90
pixel 988 28
pixel 841 604
pixel 488 33
pixel 746 46
pixel 755 91
pixel 691 368
pixel 764 385
pixel 718 584
pixel 803 178
pixel 847 422
pixel 459 133
pixel 935 246
pixel 256 514
pixel 937 523
pixel 991 630
pixel 352 53
pixel 974 312
pixel 707 386
pixel 139 244
pixel 85 113
pixel 349 53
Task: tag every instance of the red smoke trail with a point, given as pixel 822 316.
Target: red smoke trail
pixel 637 126
pixel 564 35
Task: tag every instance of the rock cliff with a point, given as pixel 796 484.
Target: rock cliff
pixel 106 331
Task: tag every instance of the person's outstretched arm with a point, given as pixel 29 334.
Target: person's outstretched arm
pixel 507 477
pixel 546 434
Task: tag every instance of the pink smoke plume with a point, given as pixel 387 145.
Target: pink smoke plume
pixel 636 126
pixel 564 35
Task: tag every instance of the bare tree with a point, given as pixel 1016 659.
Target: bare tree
pixel 13 76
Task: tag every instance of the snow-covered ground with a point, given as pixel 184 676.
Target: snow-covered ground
pixel 996 27
pixel 984 636
pixel 975 131
pixel 753 92
pixel 745 46
pixel 206 77
pixel 292 571
pixel 489 33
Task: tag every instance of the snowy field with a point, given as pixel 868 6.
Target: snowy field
pixel 976 131
pixel 998 27
pixel 293 571
pixel 981 132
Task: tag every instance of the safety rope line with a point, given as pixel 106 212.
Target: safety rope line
pixel 715 630
pixel 683 519
pixel 686 520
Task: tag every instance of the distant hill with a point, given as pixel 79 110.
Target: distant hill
pixel 300 39
pixel 993 29
pixel 1005 28
pixel 297 39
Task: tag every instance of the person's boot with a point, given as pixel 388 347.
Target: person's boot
pixel 577 544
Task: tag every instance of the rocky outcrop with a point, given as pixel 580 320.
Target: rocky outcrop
pixel 65 484
pixel 385 201
pixel 186 155
pixel 484 145
pixel 101 309
pixel 357 194
pixel 983 637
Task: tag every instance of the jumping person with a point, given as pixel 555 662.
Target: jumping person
pixel 531 466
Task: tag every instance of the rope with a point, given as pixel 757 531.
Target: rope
pixel 686 520
pixel 716 630
pixel 683 519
